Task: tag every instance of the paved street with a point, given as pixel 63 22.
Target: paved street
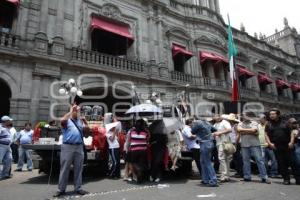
pixel 32 186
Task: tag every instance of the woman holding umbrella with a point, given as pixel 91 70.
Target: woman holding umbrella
pixel 138 141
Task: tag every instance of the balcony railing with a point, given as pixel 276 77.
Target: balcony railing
pixel 181 77
pixel 107 60
pixel 214 83
pixel 266 95
pixel 9 40
pixel 248 93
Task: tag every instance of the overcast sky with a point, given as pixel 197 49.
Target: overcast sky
pixel 261 15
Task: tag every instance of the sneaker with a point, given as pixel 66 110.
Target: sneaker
pixel 30 170
pixel 18 170
pixel 82 192
pixel 267 181
pixel 224 180
pixel 6 177
pixel 151 179
pixel 59 194
pixel 157 180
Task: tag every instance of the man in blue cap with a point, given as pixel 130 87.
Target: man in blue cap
pixel 5 151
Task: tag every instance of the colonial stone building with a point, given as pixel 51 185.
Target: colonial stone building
pixel 162 46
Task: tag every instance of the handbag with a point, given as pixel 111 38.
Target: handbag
pixel 229 148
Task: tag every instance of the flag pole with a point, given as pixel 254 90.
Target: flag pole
pixel 232 65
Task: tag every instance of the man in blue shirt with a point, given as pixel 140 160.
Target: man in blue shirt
pixel 5 151
pixel 203 130
pixel 72 150
pixel 25 137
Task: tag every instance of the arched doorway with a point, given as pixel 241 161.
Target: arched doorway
pixel 5 94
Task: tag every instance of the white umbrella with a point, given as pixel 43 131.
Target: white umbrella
pixel 144 108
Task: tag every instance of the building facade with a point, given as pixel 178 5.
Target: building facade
pixel 169 47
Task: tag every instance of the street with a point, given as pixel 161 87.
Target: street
pixel 33 186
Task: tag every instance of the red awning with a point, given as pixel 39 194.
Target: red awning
pixel 112 27
pixel 211 56
pixel 281 84
pixel 295 87
pixel 178 50
pixel 245 72
pixel 16 2
pixel 264 79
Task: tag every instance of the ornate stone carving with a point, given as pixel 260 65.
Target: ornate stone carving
pixel 111 11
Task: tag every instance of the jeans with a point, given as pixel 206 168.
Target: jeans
pixel 22 154
pixel 269 156
pixel 5 160
pixel 207 171
pixel 196 157
pixel 238 160
pixel 256 152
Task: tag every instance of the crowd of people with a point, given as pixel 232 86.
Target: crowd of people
pixel 217 145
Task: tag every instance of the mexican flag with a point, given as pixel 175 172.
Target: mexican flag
pixel 233 70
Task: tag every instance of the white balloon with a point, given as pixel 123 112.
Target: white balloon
pixel 62 91
pixel 79 93
pixel 71 81
pixel 73 90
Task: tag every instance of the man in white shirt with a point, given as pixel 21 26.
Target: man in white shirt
pixel 191 142
pixel 223 135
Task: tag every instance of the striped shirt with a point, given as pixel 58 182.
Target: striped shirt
pixel 5 137
pixel 138 141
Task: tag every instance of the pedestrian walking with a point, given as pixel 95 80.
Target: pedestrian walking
pixel 25 137
pixel 72 150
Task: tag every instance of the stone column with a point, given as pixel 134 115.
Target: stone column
pixel 212 5
pixel 60 18
pixel 41 39
pixel 160 39
pixel 58 41
pixel 151 33
pixel 35 97
pixel 217 6
pixel 43 16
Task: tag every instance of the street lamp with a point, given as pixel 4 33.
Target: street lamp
pixel 70 88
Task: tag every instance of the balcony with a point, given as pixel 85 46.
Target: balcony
pixel 8 40
pixel 284 99
pixel 267 96
pixel 181 77
pixel 210 83
pixel 248 93
pixel 108 62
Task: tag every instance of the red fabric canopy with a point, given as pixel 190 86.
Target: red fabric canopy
pixel 112 27
pixel 245 72
pixel 295 87
pixel 211 56
pixel 16 2
pixel 264 79
pixel 281 84
pixel 180 50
